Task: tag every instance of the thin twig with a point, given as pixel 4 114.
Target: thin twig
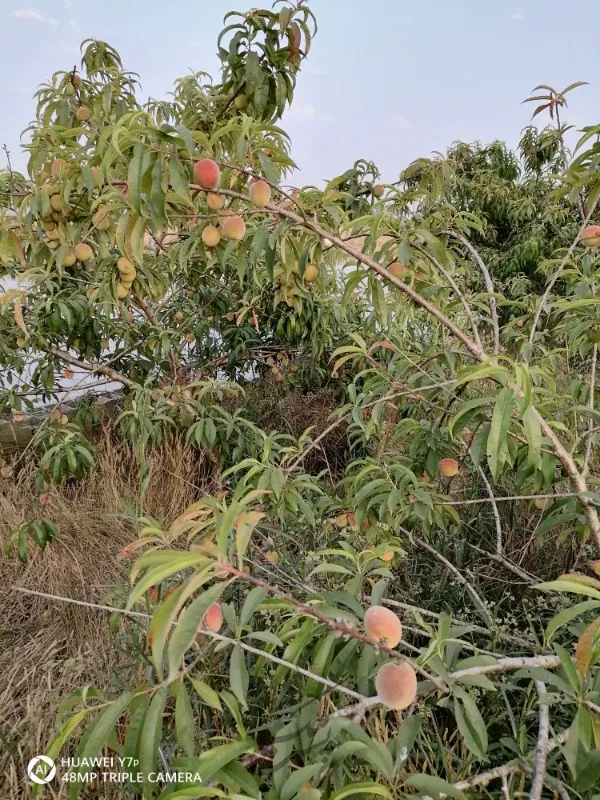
pixel 205 632
pixel 489 285
pixel 455 289
pixel 588 443
pixel 459 576
pixel 490 491
pixel 558 273
pixel 341 627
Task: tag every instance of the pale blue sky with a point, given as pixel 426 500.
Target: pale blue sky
pixel 388 80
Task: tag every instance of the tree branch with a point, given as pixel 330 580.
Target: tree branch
pixel 541 750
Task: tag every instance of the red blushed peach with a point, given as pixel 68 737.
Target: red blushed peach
pixel 213 619
pixel 234 227
pixel 378 190
pixel 396 685
pixel 215 201
pixel 207 173
pixel 591 236
pixel 59 167
pixel 396 269
pixel 448 467
pixel 260 193
pixel 382 626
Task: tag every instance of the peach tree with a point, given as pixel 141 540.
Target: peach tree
pixel 159 247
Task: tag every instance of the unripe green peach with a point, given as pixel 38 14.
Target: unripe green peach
pixel 396 685
pixel 121 291
pixel 69 258
pixel 57 202
pixel 378 190
pixel 241 102
pixel 382 626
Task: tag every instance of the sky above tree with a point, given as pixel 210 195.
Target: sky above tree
pixel 385 80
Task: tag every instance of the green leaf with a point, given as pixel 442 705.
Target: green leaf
pixel 238 675
pixel 566 615
pixel 293 784
pixel 185 725
pixel 568 586
pixel 533 432
pixel 189 623
pixel 96 736
pixel 251 603
pixel 471 724
pixel 364 788
pixel 134 178
pixel 152 733
pixel 501 417
pixel 434 787
pixel 206 693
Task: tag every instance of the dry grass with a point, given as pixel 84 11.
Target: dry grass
pixel 48 649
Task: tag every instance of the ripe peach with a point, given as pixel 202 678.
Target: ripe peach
pixel 388 555
pixel 382 626
pixel 83 252
pixel 224 215
pixel 207 173
pixel 396 685
pixel 82 113
pixel 260 193
pixel 153 594
pixel 234 227
pixel 211 236
pixel 396 269
pixel 53 236
pixel 448 467
pixel 378 190
pixel 69 258
pixel 213 619
pixel 125 266
pixel 189 337
pixel 101 219
pixel 57 202
pixel 18 416
pixel 591 236
pixel 59 167
pixel 68 373
pixel 215 201
pixel 76 81
pixel 96 175
pixel 311 274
